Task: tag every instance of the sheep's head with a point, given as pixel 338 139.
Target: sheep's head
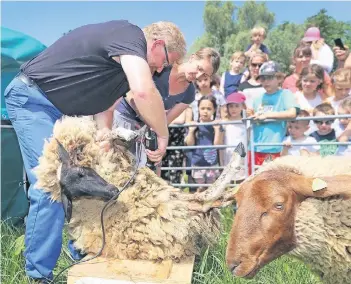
pixel 76 181
pixel 264 224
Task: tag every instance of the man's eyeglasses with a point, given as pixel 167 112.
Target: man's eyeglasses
pixel 255 65
pixel 167 59
pixel 326 122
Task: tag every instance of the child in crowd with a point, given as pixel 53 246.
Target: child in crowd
pixel 343 128
pixel 235 133
pixel 274 103
pixel 325 131
pixel 205 135
pixel 297 131
pixel 231 79
pixel 258 34
pixel 310 82
pixel 341 87
pixel 204 88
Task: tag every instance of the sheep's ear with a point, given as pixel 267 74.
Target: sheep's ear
pixel 63 154
pixel 326 186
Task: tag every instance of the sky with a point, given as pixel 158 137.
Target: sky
pixel 48 20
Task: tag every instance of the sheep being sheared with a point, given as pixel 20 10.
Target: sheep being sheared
pixel 150 220
pixel 296 205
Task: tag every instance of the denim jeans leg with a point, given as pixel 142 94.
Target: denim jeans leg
pixel 33 117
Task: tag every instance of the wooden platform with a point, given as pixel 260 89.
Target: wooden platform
pixel 113 271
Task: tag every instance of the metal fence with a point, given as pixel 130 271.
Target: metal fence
pixel 249 141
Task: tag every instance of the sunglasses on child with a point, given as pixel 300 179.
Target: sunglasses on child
pixel 326 122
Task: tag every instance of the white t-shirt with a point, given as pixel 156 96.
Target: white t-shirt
pixel 308 104
pixel 335 104
pixel 343 150
pixel 325 58
pixel 295 150
pixel 234 134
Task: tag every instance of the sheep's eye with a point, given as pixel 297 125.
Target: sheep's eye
pixel 81 172
pixel 264 214
pixel 279 206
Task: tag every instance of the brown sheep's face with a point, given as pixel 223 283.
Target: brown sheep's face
pixel 263 227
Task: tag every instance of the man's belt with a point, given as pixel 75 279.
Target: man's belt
pixel 28 81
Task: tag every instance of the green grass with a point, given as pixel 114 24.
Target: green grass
pixel 210 267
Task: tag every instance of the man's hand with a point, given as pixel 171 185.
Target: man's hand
pixel 156 156
pixel 340 54
pixel 102 137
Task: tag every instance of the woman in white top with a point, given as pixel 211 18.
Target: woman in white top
pixel 252 87
pixel 322 54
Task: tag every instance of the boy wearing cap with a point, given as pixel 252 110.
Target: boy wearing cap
pixel 275 103
pixel 321 52
pixel 234 133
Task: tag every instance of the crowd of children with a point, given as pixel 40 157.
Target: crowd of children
pixel 263 92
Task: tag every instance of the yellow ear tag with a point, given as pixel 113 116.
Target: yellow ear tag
pixel 236 189
pixel 318 184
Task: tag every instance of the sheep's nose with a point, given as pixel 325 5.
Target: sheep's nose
pixel 232 266
pixel 112 191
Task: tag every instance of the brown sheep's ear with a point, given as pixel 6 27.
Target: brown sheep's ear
pixel 325 186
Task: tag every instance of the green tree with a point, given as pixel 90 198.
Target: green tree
pixel 252 14
pixel 282 41
pixel 219 25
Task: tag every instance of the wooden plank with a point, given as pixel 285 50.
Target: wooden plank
pixel 113 271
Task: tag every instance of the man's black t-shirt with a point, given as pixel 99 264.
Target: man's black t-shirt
pixel 77 72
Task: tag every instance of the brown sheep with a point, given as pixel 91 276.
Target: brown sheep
pixel 295 205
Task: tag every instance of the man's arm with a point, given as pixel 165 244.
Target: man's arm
pixel 146 97
pixel 104 119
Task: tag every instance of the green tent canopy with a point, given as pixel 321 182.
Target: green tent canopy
pixel 16 48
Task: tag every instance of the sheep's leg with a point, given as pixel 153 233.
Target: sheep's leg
pixel 219 186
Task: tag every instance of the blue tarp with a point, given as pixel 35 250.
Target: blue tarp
pixel 17 48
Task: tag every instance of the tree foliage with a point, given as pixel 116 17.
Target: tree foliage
pixel 227 28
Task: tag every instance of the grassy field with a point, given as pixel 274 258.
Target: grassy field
pixel 209 268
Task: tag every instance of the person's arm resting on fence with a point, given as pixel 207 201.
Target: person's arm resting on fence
pixel 190 137
pixel 219 134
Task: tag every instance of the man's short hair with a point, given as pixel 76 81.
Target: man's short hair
pixel 324 108
pixel 168 32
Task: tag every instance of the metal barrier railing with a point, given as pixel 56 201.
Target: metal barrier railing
pixel 249 142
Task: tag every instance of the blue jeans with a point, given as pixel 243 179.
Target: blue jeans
pixel 33 117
